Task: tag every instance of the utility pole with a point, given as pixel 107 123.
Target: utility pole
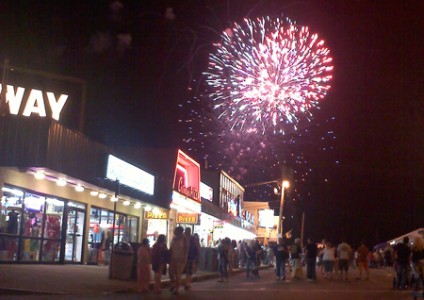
pixel 3 86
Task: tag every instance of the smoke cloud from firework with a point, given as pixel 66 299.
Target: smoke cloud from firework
pixel 267 74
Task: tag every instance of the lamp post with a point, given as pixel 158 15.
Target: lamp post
pixel 284 184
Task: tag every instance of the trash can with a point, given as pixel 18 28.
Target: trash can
pixel 122 261
pixel 212 261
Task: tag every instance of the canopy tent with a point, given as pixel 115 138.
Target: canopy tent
pixel 416 233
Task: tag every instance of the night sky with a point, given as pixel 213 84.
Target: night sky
pixel 361 171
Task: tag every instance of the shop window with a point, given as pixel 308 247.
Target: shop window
pixel 10 222
pixel 101 225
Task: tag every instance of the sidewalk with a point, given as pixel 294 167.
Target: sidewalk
pixel 70 279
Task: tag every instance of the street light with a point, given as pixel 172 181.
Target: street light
pixel 284 184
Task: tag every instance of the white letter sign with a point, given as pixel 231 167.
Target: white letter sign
pixel 35 103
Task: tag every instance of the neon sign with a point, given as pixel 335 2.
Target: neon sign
pixel 34 102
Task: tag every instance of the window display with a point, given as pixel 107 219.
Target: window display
pixel 101 227
pixel 31 227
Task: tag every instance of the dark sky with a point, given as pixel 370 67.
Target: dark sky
pixel 140 67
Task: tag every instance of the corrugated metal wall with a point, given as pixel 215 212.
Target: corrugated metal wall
pixel 74 154
pixel 37 142
pixel 23 142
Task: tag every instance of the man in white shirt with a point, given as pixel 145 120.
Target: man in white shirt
pixel 344 252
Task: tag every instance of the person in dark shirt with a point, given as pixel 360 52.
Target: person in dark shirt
pixel 311 251
pixel 402 258
pixel 295 255
pixel 281 255
pixel 12 224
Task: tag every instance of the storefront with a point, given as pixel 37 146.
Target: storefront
pixel 185 203
pixel 41 222
pixel 39 227
pixel 63 196
pixel 156 220
pixel 223 211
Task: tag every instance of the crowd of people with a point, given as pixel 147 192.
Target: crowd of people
pixel 335 261
pixel 289 260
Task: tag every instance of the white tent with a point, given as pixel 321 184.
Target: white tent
pixel 417 232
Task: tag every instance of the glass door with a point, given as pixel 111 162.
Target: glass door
pixel 74 235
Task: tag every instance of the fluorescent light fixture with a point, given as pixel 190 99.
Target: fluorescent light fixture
pixel 61 182
pixel 102 195
pixel 127 202
pixel 79 188
pixel 39 175
pixel 94 193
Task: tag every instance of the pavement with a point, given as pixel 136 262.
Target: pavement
pixel 71 279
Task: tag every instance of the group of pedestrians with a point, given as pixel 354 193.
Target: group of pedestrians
pixel 409 263
pixel 328 258
pixel 181 258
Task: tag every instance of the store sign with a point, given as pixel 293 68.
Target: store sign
pixel 218 224
pixel 187 177
pixel 189 191
pixel 162 215
pixel 266 218
pixel 33 102
pixel 130 175
pixel 206 192
pixel 186 218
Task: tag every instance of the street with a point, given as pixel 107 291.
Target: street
pixel 267 287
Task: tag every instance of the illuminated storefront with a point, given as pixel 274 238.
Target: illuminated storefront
pixel 156 221
pixel 62 195
pixel 224 213
pixel 262 218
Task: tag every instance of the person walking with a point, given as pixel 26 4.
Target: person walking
pixel 160 259
pixel 363 251
pixel 241 248
pixel 192 257
pixel 178 260
pixel 143 266
pixel 418 262
pixel 281 255
pixel 344 253
pixel 403 259
pixel 311 252
pixel 250 259
pixel 295 253
pixel 223 259
pixel 328 258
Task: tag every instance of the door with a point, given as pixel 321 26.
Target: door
pixel 74 235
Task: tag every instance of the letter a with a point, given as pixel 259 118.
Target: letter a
pixel 35 104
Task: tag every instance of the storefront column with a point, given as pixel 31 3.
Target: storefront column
pixel 86 234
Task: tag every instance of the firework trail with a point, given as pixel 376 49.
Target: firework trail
pixel 266 74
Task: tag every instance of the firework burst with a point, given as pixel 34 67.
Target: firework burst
pixel 266 74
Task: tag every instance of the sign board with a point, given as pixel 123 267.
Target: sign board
pixel 32 102
pixel 206 192
pixel 130 175
pixel 162 215
pixel 187 218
